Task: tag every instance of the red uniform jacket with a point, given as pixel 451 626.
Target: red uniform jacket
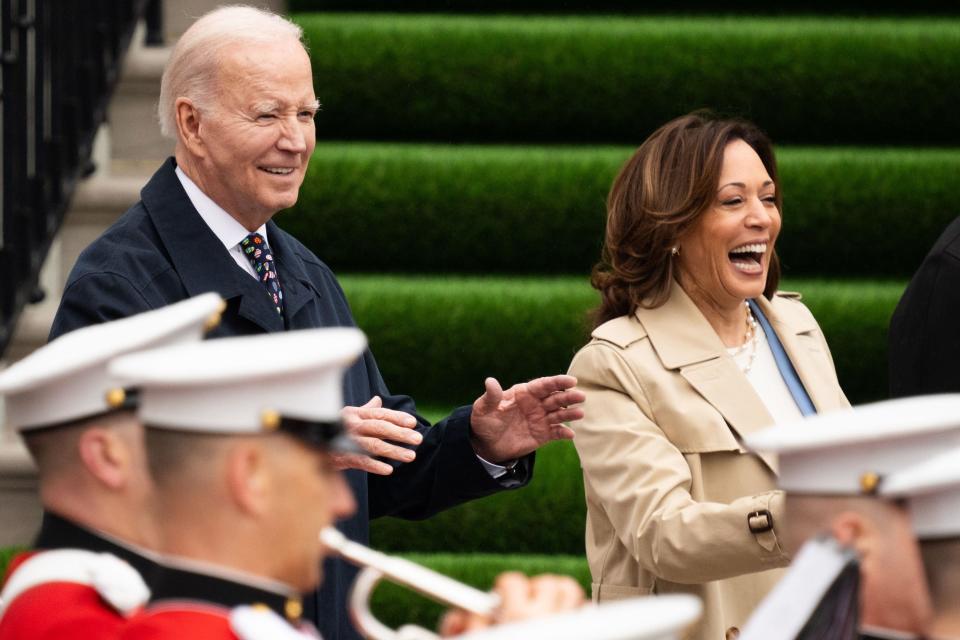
pixel 210 603
pixel 201 621
pixel 68 593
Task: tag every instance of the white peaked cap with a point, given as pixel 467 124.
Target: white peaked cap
pixel 852 451
pixel 251 384
pixel 932 491
pixel 68 379
pixel 663 617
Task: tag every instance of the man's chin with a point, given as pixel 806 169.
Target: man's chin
pixel 282 201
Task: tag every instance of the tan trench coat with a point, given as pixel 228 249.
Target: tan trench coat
pixel 669 487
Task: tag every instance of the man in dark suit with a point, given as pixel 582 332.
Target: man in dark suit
pixel 237 95
pixel 924 340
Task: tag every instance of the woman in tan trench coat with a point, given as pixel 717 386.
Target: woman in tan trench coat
pixel 680 366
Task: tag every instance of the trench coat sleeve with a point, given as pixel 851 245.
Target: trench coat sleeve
pixel 643 483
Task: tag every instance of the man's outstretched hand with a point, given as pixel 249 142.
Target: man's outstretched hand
pixel 506 425
pixel 374 427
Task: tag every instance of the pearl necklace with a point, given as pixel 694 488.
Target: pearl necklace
pixel 751 341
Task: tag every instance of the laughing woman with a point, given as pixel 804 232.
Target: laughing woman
pixel 693 347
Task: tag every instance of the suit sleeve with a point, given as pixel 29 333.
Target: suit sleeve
pixel 95 298
pixel 924 340
pixel 446 471
pixel 643 484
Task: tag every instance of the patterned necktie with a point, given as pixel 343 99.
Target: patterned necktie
pixel 258 253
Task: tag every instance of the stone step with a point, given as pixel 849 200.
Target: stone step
pixel 97 203
pixel 135 133
pixel 19 501
pixel 178 15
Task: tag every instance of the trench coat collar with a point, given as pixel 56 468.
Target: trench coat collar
pixel 685 342
pixel 203 265
pixel 787 326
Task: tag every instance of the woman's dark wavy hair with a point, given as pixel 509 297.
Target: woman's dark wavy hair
pixel 659 194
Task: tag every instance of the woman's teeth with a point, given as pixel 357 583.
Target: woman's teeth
pixel 759 247
pixel 747 258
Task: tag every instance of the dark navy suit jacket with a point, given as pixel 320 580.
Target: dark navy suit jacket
pixel 161 251
pixel 924 338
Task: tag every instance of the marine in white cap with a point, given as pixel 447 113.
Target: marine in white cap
pixel 931 490
pixel 835 469
pixel 241 434
pixel 76 419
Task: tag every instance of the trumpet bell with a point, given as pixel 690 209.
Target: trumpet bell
pixel 377 566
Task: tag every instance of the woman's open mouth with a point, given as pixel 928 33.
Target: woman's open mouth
pixel 748 258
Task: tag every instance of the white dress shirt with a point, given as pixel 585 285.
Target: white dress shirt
pixel 765 378
pixel 228 231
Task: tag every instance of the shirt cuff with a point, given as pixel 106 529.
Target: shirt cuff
pixel 496 471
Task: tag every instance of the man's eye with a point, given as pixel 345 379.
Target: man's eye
pixel 266 116
pixel 307 114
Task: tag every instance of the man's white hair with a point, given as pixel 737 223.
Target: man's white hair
pixel 191 71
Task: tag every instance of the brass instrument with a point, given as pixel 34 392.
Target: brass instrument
pixel 376 566
pixel 643 618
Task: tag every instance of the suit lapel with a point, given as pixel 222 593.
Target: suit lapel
pixel 685 342
pixel 198 256
pixel 297 290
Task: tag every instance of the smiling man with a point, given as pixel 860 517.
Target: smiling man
pixel 237 96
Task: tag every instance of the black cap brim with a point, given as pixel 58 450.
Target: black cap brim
pixel 330 436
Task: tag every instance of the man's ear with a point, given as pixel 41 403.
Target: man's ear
pixel 248 477
pixel 188 125
pixel 106 456
pixel 851 529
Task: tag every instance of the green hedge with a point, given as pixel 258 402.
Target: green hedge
pixel 437 338
pixel 546 516
pixel 6 555
pixel 453 209
pixel 575 79
pixel 893 7
pixel 395 606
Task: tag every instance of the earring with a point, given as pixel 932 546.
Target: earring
pixel 674 251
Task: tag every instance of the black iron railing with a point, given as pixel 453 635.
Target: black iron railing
pixel 59 62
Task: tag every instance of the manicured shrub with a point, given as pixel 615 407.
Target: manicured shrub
pixel 546 516
pixel 437 338
pixel 624 6
pixel 454 209
pixel 6 555
pixel 615 79
pixel 395 606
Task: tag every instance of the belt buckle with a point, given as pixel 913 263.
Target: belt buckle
pixel 763 513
